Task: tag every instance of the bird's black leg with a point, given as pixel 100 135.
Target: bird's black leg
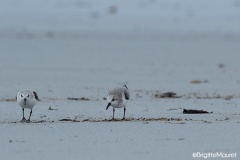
pixel 113 112
pixel 30 115
pixel 23 113
pixel 23 119
pixel 124 113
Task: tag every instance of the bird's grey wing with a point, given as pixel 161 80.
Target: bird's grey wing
pixel 35 95
pixel 126 94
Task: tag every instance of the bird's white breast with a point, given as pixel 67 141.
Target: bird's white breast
pixel 30 103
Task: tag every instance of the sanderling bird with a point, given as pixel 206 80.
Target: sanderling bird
pixel 27 99
pixel 117 98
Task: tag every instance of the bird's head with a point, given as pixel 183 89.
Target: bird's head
pixel 112 101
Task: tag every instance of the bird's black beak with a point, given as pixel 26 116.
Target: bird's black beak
pixel 25 101
pixel 109 104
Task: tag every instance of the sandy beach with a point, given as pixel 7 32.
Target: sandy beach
pixel 72 69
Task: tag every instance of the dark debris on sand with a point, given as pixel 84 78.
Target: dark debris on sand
pixel 78 99
pixel 216 97
pixel 41 121
pixel 8 99
pixel 193 111
pixel 167 95
pixel 122 120
pixel 69 120
pixel 199 81
pixel 51 109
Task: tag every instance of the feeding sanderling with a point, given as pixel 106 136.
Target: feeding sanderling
pixel 117 98
pixel 27 99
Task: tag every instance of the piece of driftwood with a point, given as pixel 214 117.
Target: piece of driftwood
pixel 193 111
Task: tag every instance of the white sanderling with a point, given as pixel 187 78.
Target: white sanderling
pixel 117 98
pixel 27 99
